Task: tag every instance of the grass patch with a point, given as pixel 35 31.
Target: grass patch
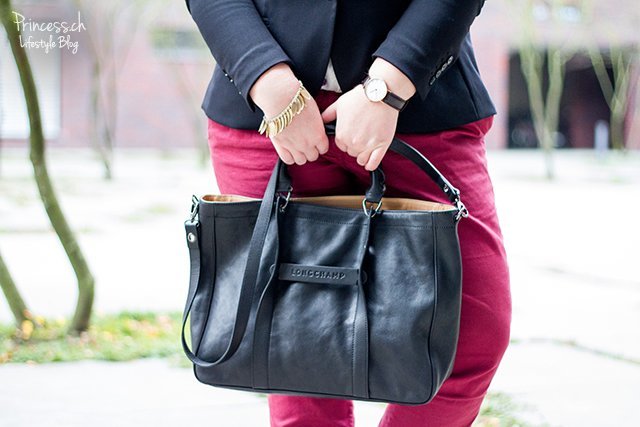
pixel 113 337
pixel 152 211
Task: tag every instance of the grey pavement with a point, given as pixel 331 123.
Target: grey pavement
pixel 139 393
pixel 571 243
pixel 566 386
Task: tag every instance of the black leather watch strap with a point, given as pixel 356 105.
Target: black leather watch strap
pixel 395 101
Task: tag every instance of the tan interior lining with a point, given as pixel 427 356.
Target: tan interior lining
pixel 354 202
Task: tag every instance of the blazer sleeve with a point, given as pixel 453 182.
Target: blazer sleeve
pixel 238 39
pixel 427 39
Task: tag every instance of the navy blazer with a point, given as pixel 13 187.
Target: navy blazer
pixel 428 40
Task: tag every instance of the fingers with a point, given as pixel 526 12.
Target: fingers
pixel 299 157
pixel 305 139
pixel 342 146
pixel 363 157
pixel 367 155
pixel 312 154
pixel 352 145
pixel 284 154
pixel 371 158
pixel 299 154
pixel 323 145
pixel 330 113
pixel 376 157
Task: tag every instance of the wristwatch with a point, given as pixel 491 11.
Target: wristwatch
pixel 376 90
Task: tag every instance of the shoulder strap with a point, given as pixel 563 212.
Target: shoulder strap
pixel 249 279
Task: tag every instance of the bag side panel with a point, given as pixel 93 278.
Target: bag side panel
pixel 400 298
pixel 444 335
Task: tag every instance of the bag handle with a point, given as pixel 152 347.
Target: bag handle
pixel 376 190
pixel 259 235
pixel 410 153
pixel 373 194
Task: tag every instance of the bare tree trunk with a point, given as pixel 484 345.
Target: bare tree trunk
pixel 194 112
pixel 620 96
pixel 544 109
pixel 109 20
pixel 10 290
pixel 555 67
pixel 544 105
pixel 616 93
pixel 101 138
pixel 82 315
pixel 99 147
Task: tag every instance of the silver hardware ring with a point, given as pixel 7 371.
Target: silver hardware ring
pixel 371 212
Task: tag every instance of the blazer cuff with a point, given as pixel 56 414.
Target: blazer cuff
pixel 249 69
pixel 239 41
pixel 426 40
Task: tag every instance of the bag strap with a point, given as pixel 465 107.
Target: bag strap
pixel 245 301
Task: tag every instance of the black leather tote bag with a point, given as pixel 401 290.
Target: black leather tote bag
pixel 354 297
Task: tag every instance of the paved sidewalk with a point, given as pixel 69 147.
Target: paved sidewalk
pixel 571 243
pixel 130 394
pixel 564 386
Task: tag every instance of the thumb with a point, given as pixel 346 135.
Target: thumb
pixel 329 114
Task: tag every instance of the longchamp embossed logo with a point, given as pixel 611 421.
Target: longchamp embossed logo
pixel 318 274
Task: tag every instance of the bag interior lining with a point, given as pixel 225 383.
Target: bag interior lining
pixel 348 201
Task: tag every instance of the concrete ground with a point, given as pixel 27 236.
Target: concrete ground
pixel 572 247
pixel 138 393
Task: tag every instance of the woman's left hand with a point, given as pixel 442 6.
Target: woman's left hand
pixel 365 128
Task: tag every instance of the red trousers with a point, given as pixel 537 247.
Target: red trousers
pixel 243 160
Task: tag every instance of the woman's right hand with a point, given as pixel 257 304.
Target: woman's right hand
pixel 305 138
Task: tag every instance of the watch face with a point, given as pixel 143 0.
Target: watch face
pixel 376 89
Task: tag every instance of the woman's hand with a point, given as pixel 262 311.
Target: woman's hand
pixel 305 138
pixel 365 129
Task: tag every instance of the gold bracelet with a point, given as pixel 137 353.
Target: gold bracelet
pixel 277 124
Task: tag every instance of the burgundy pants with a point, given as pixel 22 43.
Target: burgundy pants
pixel 243 160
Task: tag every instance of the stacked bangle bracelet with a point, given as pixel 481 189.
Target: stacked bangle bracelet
pixel 276 124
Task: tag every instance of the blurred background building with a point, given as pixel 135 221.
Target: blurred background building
pixel 141 68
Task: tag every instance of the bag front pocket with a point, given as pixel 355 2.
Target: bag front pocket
pixel 312 336
pixel 313 341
